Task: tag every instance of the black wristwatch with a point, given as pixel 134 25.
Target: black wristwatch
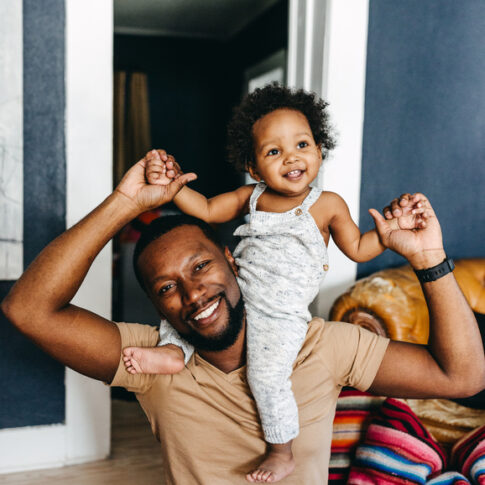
pixel 436 272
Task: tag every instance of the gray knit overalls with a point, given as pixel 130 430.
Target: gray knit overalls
pixel 281 259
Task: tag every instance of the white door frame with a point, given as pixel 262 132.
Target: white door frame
pixel 89 135
pixel 327 54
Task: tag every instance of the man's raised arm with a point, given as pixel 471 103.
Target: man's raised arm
pixel 39 303
pixel 453 362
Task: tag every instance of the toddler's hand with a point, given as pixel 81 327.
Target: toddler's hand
pixel 407 212
pixel 161 168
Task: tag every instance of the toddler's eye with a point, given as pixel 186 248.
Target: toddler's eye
pixel 302 144
pixel 273 151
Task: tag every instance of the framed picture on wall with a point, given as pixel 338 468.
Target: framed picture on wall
pixel 11 141
pixel 271 69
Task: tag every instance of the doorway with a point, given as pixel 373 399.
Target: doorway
pixel 180 79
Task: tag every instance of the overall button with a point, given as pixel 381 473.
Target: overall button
pixel 298 212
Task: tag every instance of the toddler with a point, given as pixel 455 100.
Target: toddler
pixel 280 137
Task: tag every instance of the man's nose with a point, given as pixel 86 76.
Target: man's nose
pixel 194 290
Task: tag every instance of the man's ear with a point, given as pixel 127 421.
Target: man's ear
pixel 230 260
pixel 253 173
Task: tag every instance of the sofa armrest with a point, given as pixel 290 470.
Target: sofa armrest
pixel 391 302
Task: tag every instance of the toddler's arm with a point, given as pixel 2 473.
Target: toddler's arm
pixel 347 236
pixel 221 208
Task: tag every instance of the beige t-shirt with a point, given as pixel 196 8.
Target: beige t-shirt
pixel 207 422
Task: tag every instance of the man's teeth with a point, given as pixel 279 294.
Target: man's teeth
pixel 208 311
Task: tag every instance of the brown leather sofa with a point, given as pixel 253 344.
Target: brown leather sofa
pixel 391 303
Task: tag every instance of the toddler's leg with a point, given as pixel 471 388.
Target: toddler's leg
pixel 169 357
pixel 273 346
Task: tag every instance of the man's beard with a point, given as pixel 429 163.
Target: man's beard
pixel 227 337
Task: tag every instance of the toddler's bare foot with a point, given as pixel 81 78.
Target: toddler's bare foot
pixel 168 359
pixel 278 464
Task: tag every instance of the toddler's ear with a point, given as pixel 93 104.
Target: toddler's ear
pixel 319 146
pixel 253 173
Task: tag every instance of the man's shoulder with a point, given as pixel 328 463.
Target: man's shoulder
pixel 349 352
pixel 321 332
pixel 137 334
pixel 333 341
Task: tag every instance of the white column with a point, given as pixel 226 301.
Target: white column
pixel 89 113
pixel 327 55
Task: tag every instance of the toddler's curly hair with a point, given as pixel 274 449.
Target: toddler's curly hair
pixel 240 145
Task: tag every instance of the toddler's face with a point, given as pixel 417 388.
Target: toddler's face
pixel 287 158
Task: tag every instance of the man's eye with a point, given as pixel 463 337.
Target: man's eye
pixel 272 152
pixel 201 265
pixel 165 288
pixel 302 144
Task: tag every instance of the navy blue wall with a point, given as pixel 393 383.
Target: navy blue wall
pixel 33 383
pixel 424 127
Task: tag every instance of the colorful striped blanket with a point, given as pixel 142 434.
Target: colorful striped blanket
pixel 397 448
pixel 352 416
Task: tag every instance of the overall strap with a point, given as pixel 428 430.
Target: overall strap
pixel 311 198
pixel 253 200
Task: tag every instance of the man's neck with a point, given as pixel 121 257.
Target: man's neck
pixel 231 358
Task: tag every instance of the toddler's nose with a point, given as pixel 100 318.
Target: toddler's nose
pixel 291 158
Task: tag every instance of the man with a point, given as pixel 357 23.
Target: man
pixel 204 415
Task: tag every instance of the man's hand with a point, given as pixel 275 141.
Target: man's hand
pixel 153 181
pixel 415 233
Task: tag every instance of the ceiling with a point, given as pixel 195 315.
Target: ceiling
pixel 209 19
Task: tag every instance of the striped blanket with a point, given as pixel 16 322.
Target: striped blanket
pixel 351 420
pixel 468 455
pixel 449 478
pixel 399 450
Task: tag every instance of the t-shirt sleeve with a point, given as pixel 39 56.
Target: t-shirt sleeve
pixel 135 335
pixel 352 354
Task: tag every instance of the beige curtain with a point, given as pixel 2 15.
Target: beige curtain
pixel 131 123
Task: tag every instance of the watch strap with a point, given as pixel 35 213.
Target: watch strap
pixel 436 272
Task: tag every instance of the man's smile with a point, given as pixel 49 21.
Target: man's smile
pixel 207 314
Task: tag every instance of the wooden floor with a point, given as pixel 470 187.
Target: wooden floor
pixel 135 457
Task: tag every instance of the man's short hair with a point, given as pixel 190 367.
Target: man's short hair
pixel 158 227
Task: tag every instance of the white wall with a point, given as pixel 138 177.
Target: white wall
pixel 327 55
